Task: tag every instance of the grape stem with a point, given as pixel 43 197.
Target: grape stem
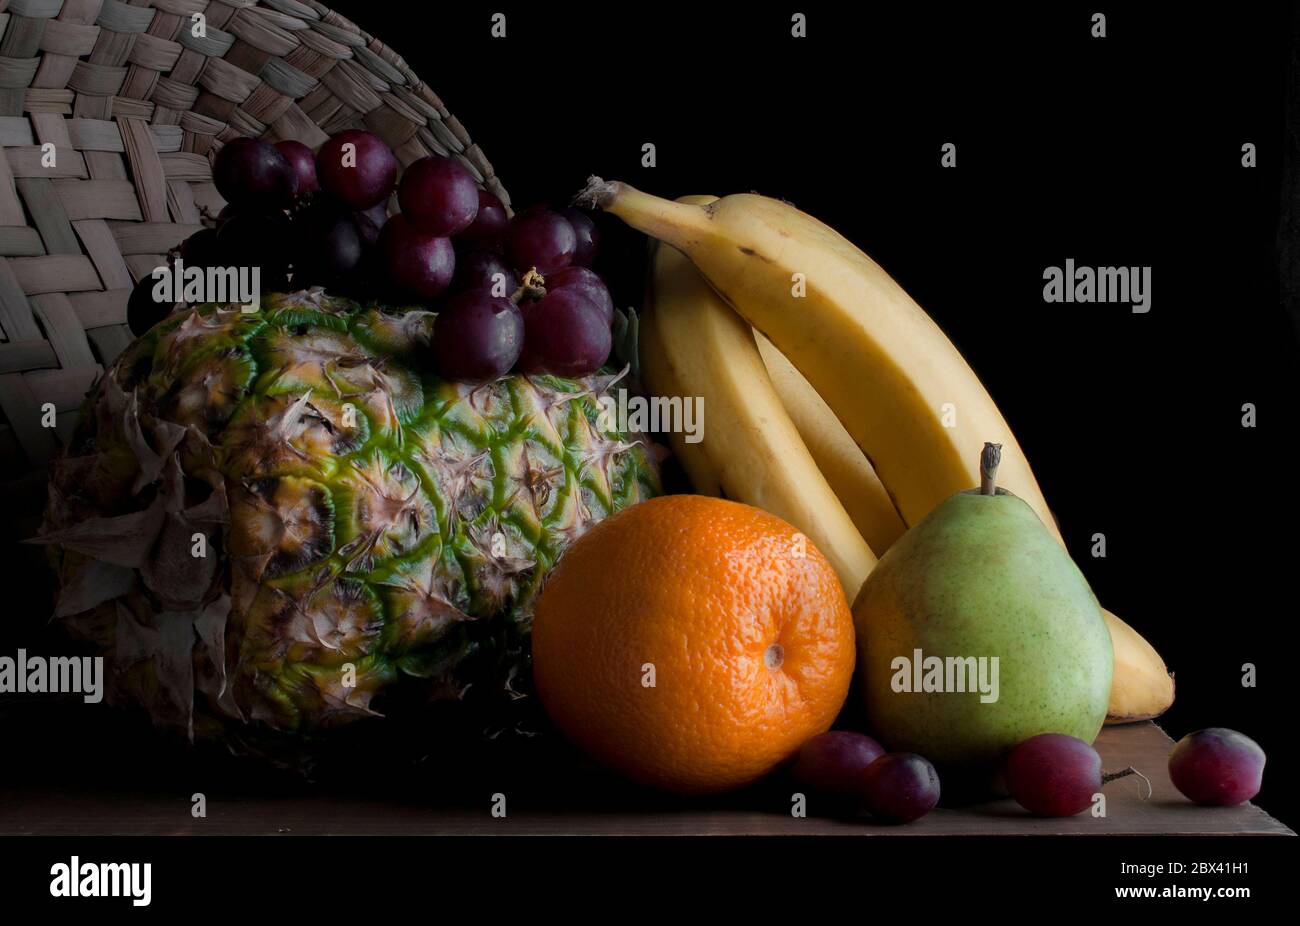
pixel 597 193
pixel 533 286
pixel 1124 773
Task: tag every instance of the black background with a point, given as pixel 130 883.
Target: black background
pixel 1117 151
pixel 1122 151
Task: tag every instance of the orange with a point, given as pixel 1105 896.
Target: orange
pixel 692 644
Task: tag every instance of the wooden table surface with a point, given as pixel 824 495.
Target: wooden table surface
pixel 84 812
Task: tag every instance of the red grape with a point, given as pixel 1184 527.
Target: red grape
pixel 540 239
pixel 417 264
pixel 357 168
pixel 484 270
pixel 302 163
pixel 490 225
pixel 142 312
pixel 566 335
pixel 332 247
pixel 200 249
pixel 1217 766
pixel 439 196
pixel 249 172
pixel 370 222
pixel 1053 775
pixel 900 787
pixel 584 280
pixel 366 228
pixel 477 337
pixel 264 240
pixel 832 764
pixel 378 213
pixel 584 228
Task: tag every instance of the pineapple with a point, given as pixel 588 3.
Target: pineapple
pixel 281 519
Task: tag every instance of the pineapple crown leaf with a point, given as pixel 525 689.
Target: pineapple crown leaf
pixel 627 339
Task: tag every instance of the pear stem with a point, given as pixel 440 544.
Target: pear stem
pixel 990 459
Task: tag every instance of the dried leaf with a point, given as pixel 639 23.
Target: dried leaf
pixel 90 584
pixel 166 435
pixel 172 493
pixel 168 649
pixel 215 509
pixel 113 400
pixel 124 540
pixel 210 627
pixel 172 572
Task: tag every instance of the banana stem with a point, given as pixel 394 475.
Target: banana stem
pixel 678 224
pixel 990 460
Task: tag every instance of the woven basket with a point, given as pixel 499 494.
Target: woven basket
pixel 136 106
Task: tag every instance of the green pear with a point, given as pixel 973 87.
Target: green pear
pixel 979 579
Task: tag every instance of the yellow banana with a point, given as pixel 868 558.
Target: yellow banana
pixel 1141 687
pixel 845 467
pixel 661 380
pixel 704 349
pixel 898 385
pixel 901 389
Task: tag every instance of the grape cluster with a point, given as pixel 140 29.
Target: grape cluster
pixel 851 772
pixel 509 293
pixel 1050 775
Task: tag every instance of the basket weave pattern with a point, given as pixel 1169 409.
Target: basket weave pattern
pixel 136 104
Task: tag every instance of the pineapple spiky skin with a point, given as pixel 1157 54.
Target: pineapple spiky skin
pixel 283 519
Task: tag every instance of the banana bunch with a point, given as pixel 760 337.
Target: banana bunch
pixel 695 345
pixel 851 415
